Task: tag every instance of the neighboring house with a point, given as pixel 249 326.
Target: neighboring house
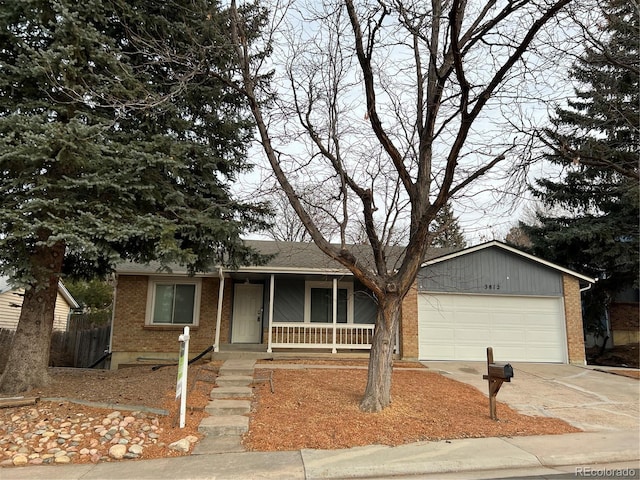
pixel 11 303
pixel 528 309
pixel 624 318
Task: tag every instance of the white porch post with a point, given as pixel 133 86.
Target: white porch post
pixel 335 313
pixel 271 292
pixel 216 344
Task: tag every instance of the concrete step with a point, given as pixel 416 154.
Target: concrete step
pixel 220 444
pixel 234 355
pixel 238 366
pixel 231 392
pixel 235 371
pixel 225 425
pixel 234 380
pixel 228 407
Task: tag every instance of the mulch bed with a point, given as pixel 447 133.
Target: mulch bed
pixel 314 408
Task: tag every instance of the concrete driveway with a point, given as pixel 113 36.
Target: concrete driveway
pixel 591 400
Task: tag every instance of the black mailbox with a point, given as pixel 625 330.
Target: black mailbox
pixel 502 371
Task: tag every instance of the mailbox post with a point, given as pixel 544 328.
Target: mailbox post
pixel 497 373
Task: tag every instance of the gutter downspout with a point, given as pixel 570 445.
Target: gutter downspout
pixel 607 323
pixel 216 343
pixel 588 287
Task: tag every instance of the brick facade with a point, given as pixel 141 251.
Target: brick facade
pixel 409 328
pixel 625 325
pixel 132 339
pixel 573 319
pixel 227 308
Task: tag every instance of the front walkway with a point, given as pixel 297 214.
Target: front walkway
pixel 230 402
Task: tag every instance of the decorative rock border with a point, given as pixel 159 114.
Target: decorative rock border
pixel 59 440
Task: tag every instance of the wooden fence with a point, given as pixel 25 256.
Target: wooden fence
pixel 81 345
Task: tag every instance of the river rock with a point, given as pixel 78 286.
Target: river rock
pixel 117 451
pixel 20 460
pixel 136 449
pixel 181 445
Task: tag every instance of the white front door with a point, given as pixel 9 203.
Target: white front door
pixel 247 313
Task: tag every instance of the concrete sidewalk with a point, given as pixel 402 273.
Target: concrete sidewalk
pixel 549 454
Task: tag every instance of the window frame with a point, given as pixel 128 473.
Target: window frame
pixel 327 284
pixel 151 300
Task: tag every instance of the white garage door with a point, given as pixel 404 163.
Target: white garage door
pixel 461 327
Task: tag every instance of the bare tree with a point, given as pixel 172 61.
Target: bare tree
pixel 287 226
pixel 388 105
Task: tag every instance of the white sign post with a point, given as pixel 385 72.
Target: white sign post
pixel 183 366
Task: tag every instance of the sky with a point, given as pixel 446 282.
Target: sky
pixel 493 206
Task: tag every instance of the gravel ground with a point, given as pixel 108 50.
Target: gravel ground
pixel 100 415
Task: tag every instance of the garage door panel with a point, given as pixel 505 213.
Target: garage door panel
pixel 537 338
pixel 440 334
pixel 506 352
pixel 468 352
pixel 460 327
pixel 504 318
pixel 508 337
pixel 470 335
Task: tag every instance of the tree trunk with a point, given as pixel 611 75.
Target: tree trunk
pixel 28 358
pixel 377 395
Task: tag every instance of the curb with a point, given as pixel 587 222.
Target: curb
pixel 109 406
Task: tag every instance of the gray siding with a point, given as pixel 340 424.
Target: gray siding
pixel 491 271
pixel 288 302
pixel 364 307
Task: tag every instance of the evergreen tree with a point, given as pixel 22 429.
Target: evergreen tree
pixel 117 142
pixel 94 295
pixel 595 141
pixel 445 230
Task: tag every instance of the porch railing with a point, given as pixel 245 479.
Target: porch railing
pixel 318 335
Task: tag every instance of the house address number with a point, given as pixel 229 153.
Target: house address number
pixel 492 286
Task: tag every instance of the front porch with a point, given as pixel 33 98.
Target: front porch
pixel 294 312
